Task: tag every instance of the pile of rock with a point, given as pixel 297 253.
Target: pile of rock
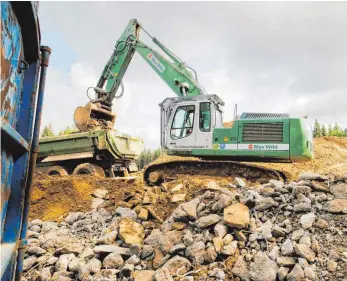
pixel 272 232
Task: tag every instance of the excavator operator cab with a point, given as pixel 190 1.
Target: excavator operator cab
pixel 187 122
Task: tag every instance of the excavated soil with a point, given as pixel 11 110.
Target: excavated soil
pixel 330 158
pixel 54 197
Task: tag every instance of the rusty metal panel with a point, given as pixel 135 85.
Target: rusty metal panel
pixel 11 62
pixel 22 83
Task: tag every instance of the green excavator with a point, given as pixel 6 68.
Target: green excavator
pixel 192 121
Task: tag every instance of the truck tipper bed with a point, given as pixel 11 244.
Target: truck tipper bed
pixel 98 152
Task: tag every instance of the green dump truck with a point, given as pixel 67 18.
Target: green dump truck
pixel 99 153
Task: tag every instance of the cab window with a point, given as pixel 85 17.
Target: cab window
pixel 205 116
pixel 182 125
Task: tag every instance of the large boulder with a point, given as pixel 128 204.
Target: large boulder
pixel 170 239
pixel 208 220
pixel 112 249
pixel 307 220
pixel 73 217
pixel 312 176
pixel 297 274
pixel 191 207
pixel 177 265
pixel 113 260
pixel 265 203
pixel 339 190
pixel 241 270
pixel 237 215
pixel 108 238
pixel 336 206
pixel 305 252
pixel 163 274
pixel 29 262
pixel 263 269
pixel 196 252
pixel 143 275
pixel 126 213
pixel 131 232
pixel 74 248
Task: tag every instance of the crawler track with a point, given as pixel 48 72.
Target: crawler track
pixel 155 174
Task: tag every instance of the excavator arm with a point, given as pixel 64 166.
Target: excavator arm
pixel 172 70
pixel 174 73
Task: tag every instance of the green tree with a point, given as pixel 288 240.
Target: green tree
pixel 336 127
pixel 337 131
pixel 323 131
pixel 330 129
pixel 69 130
pixel 316 130
pixel 147 156
pixel 47 131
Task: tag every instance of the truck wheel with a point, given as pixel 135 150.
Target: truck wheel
pixel 89 169
pixel 56 171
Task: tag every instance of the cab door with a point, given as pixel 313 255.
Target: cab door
pixel 181 129
pixel 204 125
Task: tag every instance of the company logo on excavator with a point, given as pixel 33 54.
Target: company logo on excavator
pixel 250 146
pixel 157 64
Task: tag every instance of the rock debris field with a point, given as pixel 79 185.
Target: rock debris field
pixel 221 231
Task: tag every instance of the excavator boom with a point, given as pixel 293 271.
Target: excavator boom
pixel 172 70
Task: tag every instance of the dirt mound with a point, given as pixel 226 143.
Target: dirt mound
pixel 330 158
pixel 54 197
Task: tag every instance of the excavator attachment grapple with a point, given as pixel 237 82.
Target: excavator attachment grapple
pixel 92 117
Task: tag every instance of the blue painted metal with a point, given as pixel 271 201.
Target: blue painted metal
pixel 14 136
pixel 23 70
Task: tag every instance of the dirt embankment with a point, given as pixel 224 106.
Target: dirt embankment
pixel 330 158
pixel 54 197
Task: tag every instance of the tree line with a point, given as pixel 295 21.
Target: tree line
pixel 49 132
pixel 149 155
pixel 324 131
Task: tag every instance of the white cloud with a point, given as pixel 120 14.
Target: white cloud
pixel 65 92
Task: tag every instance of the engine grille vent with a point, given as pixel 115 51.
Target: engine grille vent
pixel 253 115
pixel 262 132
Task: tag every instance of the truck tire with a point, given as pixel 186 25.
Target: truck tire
pixel 56 171
pixel 89 169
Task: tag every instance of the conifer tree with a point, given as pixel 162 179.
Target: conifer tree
pixel 323 131
pixel 316 130
pixel 47 131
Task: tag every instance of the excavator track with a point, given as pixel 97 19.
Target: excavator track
pixel 155 174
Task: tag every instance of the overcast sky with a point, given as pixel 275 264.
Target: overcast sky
pixel 264 56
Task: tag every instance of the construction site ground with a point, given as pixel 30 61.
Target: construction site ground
pixel 54 197
pixel 197 227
